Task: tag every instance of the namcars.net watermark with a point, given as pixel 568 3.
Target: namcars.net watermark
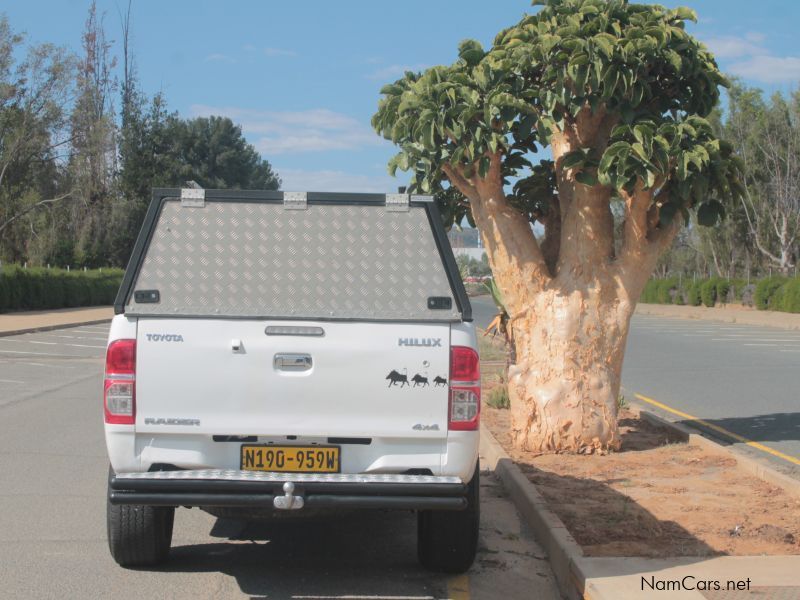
pixel 690 582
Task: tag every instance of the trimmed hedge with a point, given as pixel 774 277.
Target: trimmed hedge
pixel 787 297
pixel 770 293
pixel 765 290
pixel 39 289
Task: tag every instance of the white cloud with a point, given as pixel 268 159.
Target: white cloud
pixel 278 52
pixel 220 58
pixel 336 181
pixel 287 132
pixel 752 60
pixel 395 71
pixel 769 69
pixel 729 46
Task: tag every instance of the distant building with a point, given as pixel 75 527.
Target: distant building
pixel 466 241
pixel 467 237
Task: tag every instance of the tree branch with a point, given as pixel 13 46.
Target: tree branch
pixel 514 254
pixel 32 207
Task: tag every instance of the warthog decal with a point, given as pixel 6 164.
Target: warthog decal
pixel 419 380
pixel 394 378
pixel 437 381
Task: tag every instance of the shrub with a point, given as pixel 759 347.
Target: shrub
pixel 789 294
pixel 708 292
pixel 693 293
pixel 498 396
pixel 765 289
pixel 736 290
pixel 649 292
pixel 723 288
pixel 39 289
pixel 664 290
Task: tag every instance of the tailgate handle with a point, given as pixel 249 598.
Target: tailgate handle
pixel 292 362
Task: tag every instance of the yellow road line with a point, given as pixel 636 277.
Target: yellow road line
pixel 458 587
pixel 721 430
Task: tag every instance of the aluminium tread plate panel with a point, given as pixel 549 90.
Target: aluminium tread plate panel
pixel 330 261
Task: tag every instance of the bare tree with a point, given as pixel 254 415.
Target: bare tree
pixel 767 138
pixel 33 93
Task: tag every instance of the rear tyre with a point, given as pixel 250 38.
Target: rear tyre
pixel 139 535
pixel 447 540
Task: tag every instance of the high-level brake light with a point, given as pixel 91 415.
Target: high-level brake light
pixel 465 389
pixel 119 388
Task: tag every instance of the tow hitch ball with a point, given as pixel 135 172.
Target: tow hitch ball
pixel 288 501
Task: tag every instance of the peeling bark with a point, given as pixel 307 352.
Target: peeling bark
pixel 570 301
pixel 565 383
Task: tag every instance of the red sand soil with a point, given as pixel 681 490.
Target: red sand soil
pixel 658 496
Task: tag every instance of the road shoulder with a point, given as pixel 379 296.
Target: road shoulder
pixel 723 314
pixel 45 320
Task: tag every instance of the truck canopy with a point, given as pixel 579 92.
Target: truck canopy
pixel 276 255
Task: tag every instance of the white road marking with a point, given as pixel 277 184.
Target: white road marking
pixel 79 337
pixel 3 351
pixel 10 381
pixel 85 331
pixel 759 344
pixel 52 343
pixel 35 364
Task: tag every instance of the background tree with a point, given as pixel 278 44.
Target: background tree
pixel 213 152
pixel 767 137
pixel 619 93
pixel 92 162
pixel 34 89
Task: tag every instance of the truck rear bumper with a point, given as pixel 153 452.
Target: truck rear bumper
pixel 287 491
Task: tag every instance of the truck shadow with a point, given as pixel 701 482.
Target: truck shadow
pixel 331 555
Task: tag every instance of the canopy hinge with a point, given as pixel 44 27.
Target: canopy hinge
pixel 397 202
pixel 295 200
pixel 193 197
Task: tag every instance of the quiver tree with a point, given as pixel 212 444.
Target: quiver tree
pixel 618 92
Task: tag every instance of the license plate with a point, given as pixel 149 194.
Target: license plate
pixel 290 459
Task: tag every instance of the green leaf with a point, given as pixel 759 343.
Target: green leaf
pixel 573 159
pixel 483 166
pixel 666 213
pixel 710 213
pixel 586 178
pixel 471 52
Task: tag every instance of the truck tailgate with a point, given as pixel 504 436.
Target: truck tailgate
pixel 337 379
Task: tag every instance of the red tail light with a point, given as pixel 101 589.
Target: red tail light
pixel 465 389
pixel 119 388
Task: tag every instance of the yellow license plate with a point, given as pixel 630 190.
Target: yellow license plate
pixel 291 459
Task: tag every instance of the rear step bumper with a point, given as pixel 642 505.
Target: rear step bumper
pixel 287 491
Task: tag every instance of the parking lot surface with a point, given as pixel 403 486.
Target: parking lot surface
pixel 53 467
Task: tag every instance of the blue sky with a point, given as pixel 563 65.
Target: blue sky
pixel 302 77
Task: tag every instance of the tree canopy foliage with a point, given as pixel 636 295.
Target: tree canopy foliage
pixel 75 174
pixel 632 68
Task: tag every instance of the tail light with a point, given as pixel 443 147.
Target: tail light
pixel 119 388
pixel 465 389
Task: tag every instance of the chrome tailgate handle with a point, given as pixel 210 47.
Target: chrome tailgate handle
pixel 292 362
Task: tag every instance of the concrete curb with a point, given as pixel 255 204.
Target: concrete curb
pixel 52 327
pixel 748 464
pixel 562 549
pixel 573 570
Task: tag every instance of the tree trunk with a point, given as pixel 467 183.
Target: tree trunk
pixel 565 383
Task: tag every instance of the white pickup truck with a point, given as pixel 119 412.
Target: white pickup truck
pixel 277 351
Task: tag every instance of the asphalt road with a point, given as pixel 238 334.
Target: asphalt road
pixel 53 469
pixel 741 378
